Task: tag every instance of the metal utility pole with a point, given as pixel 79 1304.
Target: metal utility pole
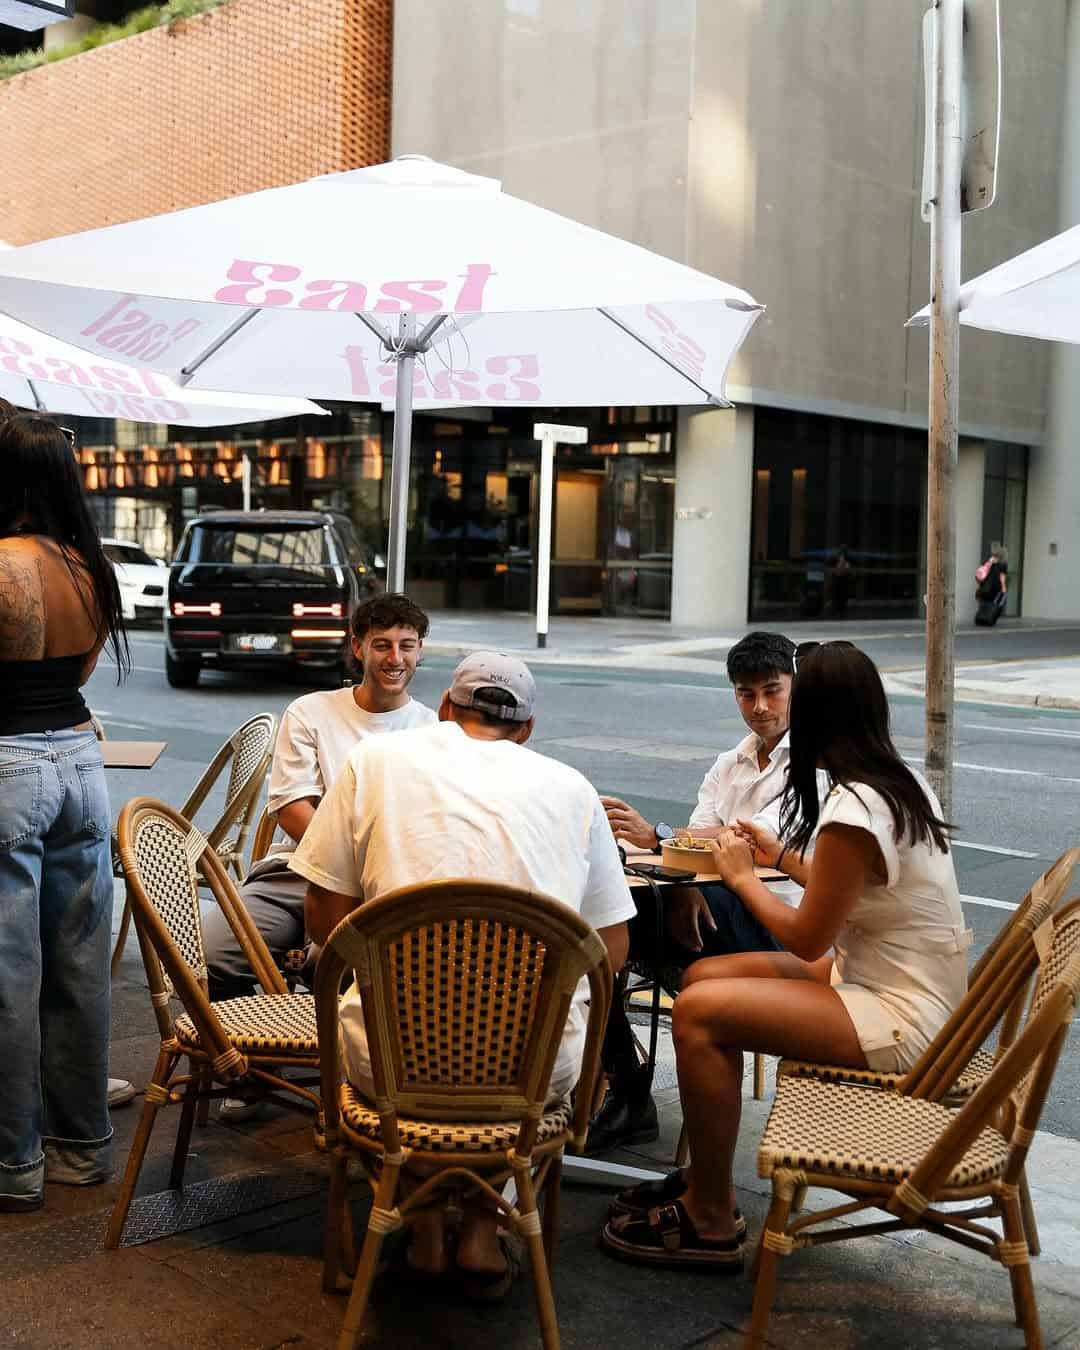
pixel 945 249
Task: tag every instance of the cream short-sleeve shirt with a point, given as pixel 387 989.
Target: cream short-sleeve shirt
pixel 901 957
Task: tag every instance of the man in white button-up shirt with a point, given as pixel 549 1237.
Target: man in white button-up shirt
pixel 746 783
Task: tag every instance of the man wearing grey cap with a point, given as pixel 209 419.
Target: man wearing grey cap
pixel 465 798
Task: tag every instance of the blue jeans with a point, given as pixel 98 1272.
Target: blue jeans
pixel 56 894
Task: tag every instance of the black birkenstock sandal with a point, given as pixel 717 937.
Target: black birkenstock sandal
pixel 665 1236
pixel 648 1195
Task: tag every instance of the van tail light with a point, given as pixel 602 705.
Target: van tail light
pixel 181 610
pixel 301 611
pixel 335 633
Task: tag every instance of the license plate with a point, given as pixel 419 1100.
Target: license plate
pixel 255 642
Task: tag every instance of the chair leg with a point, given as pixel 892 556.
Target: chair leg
pixel 552 1206
pixel 759 1075
pixel 1027 1213
pixel 530 1228
pixel 764 1270
pixel 682 1149
pixel 336 1201
pixel 192 1098
pixel 121 937
pixel 1023 1290
pixel 385 1193
pixel 202 1113
pixel 166 1062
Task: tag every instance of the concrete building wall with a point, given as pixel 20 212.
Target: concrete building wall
pixel 710 573
pixel 1052 530
pixel 251 95
pixel 805 176
pixel 778 146
pixel 579 105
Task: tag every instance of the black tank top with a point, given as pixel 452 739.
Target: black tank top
pixel 41 695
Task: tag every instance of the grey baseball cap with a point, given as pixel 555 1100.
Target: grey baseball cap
pixel 482 671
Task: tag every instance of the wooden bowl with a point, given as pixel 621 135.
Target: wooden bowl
pixel 691 859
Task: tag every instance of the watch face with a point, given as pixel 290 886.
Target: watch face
pixel 664 831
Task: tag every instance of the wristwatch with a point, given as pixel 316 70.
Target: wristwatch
pixel 662 831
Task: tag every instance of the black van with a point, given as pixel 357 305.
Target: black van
pixel 259 588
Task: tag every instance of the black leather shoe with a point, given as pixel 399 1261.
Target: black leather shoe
pixel 622 1122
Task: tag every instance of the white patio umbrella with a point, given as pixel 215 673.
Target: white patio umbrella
pixel 1035 294
pixel 410 280
pixel 37 371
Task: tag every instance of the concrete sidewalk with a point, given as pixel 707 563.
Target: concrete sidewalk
pixel 654 645
pixel 235 1263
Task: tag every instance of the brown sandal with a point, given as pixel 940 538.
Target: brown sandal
pixel 665 1236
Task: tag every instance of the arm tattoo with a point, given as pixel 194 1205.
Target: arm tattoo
pixel 22 617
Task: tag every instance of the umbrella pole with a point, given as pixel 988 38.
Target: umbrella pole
pixel 399 467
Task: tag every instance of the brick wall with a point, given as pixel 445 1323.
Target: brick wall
pixel 251 95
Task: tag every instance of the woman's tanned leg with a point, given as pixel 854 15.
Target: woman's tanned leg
pixel 714 1021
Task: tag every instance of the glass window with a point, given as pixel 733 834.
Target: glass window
pixel 289 546
pixel 838 510
pixel 1004 511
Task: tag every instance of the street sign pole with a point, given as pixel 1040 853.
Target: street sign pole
pixel 945 251
pixel 548 434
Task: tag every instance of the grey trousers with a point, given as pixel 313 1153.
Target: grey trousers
pixel 274 897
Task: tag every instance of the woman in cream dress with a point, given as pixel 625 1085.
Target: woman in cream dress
pixel 875 956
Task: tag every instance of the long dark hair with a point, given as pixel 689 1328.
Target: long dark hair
pixel 840 722
pixel 43 494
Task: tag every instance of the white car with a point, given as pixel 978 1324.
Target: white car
pixel 144 581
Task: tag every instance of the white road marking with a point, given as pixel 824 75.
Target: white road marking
pixel 1022 731
pixel 986 901
pixel 993 848
pixel 997 769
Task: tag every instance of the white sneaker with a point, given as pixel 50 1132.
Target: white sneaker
pixel 236 1109
pixel 120 1091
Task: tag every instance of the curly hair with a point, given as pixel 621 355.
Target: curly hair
pixel 388 611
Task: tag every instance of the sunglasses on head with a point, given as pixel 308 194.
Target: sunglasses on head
pixel 804 648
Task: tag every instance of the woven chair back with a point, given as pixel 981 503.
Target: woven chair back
pixel 165 858
pixel 1012 1095
pixel 466 989
pixel 165 854
pixel 996 989
pixel 1039 902
pixel 247 753
pixel 1063 943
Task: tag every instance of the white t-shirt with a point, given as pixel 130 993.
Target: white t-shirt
pixel 317 734
pixel 437 803
pixel 901 957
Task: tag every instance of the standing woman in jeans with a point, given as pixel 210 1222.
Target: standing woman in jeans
pixel 59 604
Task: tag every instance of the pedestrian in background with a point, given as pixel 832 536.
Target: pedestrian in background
pixel 992 590
pixel 59 604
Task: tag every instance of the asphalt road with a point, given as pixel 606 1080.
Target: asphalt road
pixel 649 736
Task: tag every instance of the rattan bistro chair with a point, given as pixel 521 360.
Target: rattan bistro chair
pixel 262 836
pixel 1025 921
pixel 466 986
pixel 165 859
pixel 908 1153
pixel 247 754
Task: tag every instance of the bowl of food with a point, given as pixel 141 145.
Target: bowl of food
pixel 684 850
